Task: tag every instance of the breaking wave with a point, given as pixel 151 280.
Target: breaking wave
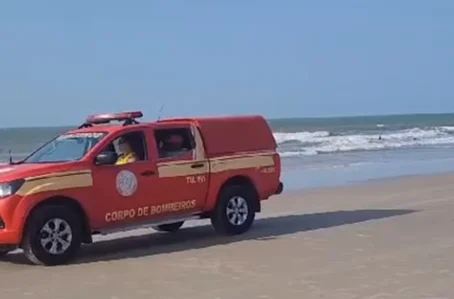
pixel 322 142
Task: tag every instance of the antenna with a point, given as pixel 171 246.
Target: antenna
pixel 159 112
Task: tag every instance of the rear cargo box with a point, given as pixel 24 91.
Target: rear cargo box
pixel 230 135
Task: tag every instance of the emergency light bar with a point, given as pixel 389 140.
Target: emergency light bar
pixel 104 118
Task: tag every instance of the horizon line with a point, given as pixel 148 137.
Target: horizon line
pixel 267 118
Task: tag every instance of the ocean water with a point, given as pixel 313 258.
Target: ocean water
pixel 336 151
pixel 320 152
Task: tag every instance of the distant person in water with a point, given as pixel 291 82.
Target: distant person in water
pixel 379 137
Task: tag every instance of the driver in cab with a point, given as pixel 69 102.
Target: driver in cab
pixel 127 155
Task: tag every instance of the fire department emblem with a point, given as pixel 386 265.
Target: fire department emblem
pixel 126 183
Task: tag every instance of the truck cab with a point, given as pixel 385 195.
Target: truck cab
pixel 105 177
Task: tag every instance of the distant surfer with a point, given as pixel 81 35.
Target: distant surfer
pixel 379 137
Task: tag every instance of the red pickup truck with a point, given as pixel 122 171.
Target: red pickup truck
pixel 114 173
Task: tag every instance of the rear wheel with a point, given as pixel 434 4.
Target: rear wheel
pixel 235 210
pixel 171 227
pixel 53 236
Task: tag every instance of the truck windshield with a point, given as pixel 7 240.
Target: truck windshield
pixel 66 147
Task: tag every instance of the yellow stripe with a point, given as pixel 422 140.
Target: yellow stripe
pixel 243 155
pixel 56 181
pixel 182 162
pixel 237 156
pixel 58 174
pixel 183 168
pixel 241 163
pixel 83 178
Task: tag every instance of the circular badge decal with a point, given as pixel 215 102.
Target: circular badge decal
pixel 126 183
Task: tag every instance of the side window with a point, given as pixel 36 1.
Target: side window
pixel 130 147
pixel 174 142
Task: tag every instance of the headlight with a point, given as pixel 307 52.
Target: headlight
pixel 10 188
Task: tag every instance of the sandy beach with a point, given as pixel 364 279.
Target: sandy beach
pixel 390 238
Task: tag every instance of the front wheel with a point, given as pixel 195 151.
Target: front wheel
pixel 171 227
pixel 235 210
pixel 53 236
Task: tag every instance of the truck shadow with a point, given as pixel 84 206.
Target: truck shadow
pixel 203 236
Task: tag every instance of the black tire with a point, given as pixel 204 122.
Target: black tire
pixel 220 219
pixel 169 228
pixel 32 245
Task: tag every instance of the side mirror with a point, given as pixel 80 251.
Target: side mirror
pixel 106 158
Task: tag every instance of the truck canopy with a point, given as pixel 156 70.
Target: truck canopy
pixel 230 135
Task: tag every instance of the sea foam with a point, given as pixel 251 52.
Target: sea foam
pixel 320 142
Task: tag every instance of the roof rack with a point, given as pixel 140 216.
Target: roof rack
pixel 128 118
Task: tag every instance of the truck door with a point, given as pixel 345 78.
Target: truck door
pixel 183 170
pixel 122 191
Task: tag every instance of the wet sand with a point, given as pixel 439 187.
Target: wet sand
pixel 384 239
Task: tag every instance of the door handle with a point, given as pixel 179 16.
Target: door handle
pixel 148 173
pixel 198 165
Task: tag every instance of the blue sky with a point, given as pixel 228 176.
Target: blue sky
pixel 62 60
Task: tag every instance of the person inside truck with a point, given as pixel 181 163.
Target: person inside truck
pixel 173 145
pixel 127 155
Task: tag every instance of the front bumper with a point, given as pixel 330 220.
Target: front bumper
pixel 9 237
pixel 280 188
pixel 9 234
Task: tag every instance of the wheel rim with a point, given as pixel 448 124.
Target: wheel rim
pixel 237 210
pixel 56 236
